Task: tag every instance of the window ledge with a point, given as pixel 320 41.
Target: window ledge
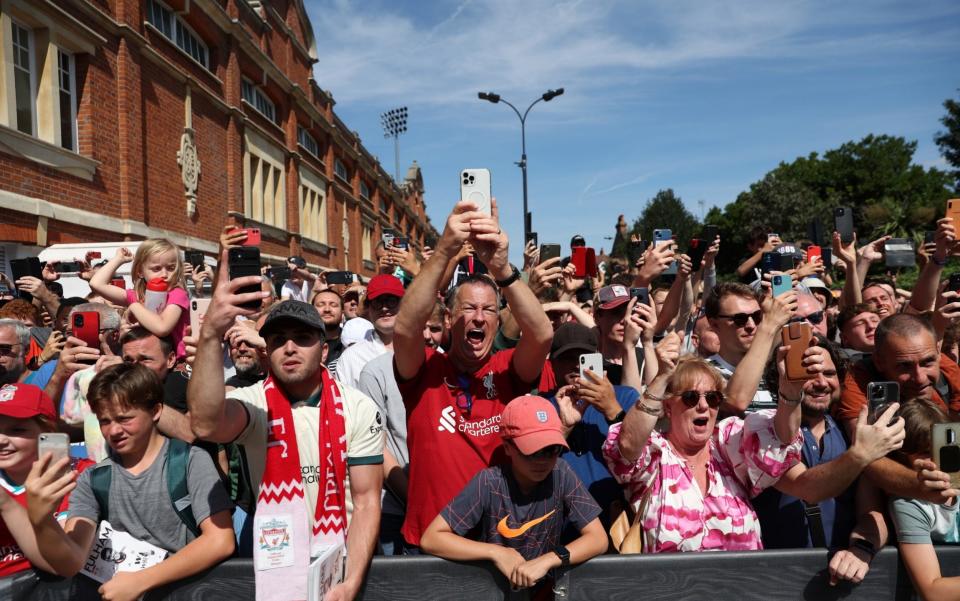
pixel 315 246
pixel 33 149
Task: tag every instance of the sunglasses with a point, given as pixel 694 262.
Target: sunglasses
pixel 691 398
pixel 814 318
pixel 6 350
pixel 549 452
pixel 740 319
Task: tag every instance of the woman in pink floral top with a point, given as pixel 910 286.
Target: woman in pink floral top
pixel 694 483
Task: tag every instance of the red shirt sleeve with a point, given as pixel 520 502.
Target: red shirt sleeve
pixel 853 397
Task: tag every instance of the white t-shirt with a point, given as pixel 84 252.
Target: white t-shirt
pixel 290 291
pixel 354 359
pixel 762 399
pixel 364 428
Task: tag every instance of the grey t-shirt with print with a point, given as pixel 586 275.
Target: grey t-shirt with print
pixel 140 504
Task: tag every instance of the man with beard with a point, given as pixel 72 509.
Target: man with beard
pixel 454 400
pixel 245 348
pixel 330 307
pixel 14 341
pixel 801 511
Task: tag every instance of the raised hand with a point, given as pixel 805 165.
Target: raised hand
pixel 876 440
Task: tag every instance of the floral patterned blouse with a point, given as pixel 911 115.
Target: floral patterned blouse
pixel 745 457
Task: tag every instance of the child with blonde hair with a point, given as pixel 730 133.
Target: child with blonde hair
pixel 157 264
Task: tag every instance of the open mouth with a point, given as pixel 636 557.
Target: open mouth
pixel 701 422
pixel 475 335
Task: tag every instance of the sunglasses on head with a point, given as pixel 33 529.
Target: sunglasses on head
pixel 740 319
pixel 691 398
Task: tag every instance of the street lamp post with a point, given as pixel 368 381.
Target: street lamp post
pixel 546 97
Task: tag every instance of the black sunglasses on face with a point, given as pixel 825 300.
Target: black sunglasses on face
pixel 550 452
pixel 814 318
pixel 691 398
pixel 740 319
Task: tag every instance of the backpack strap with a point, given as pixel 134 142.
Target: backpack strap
pixel 100 478
pixel 178 458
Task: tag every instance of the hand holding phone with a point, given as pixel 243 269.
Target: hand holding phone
pixel 475 187
pixel 592 362
pixel 245 261
pixel 781 283
pixel 796 336
pixel 85 325
pixel 55 443
pixel 945 450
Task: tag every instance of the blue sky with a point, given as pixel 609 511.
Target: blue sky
pixel 702 97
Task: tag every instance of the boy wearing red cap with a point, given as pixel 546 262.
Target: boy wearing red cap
pixel 523 506
pixel 26 412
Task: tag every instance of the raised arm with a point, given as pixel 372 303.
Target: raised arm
pixel 420 298
pixel 536 332
pixel 100 282
pixel 643 416
pixel 675 296
pixel 212 416
pixel 925 289
pixel 852 293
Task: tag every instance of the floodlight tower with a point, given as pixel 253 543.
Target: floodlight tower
pixel 394 123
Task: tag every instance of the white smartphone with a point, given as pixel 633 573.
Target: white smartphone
pixel 198 308
pixel 475 187
pixel 592 362
pixel 56 443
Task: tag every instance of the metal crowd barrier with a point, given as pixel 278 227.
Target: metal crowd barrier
pixel 742 576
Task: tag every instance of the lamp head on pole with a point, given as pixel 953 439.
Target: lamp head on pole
pixel 551 94
pixel 489 97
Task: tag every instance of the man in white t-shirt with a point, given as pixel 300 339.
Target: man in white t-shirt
pixel 301 281
pixel 380 307
pixel 294 334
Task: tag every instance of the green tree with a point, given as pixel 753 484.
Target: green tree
pixel 666 211
pixel 949 140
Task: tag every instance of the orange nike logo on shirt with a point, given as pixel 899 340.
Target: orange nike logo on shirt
pixel 508 532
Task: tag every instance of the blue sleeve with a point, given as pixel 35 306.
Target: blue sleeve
pixel 626 396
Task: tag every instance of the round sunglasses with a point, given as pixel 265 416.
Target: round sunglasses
pixel 691 398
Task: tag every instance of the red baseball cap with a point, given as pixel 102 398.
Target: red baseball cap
pixel 613 296
pixel 384 284
pixel 24 401
pixel 532 424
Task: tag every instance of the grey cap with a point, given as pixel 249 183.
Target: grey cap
pixel 292 310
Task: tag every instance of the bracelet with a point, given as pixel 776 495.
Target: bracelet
pixel 938 262
pixel 648 395
pixel 642 406
pixel 865 546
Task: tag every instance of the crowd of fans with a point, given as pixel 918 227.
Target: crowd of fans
pixel 460 406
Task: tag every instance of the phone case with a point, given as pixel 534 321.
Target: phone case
pixel 814 253
pixel 340 277
pixel 796 335
pixel 118 282
pixel 549 251
pixel 781 283
pixel 710 233
pixel 770 261
pixel 945 450
pixel 899 252
pixel 641 294
pixel 198 308
pixel 244 261
pixel 843 220
pixel 881 393
pixel 661 237
pixel 593 362
pixel 55 443
pixel 475 187
pixel 86 327
pixel 578 256
pixel 953 210
pixel 696 250
pixel 194 258
pixel 954 284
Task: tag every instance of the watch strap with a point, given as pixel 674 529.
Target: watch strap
pixel 513 277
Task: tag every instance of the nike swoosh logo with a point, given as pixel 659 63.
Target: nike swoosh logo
pixel 508 532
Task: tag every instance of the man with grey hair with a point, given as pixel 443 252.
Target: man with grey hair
pixel 14 342
pixel 811 310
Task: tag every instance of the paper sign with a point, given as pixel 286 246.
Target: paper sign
pixel 115 551
pixel 274 541
pixel 326 571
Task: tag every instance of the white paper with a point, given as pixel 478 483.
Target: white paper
pixel 115 551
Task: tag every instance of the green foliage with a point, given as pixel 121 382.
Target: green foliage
pixel 666 211
pixel 949 140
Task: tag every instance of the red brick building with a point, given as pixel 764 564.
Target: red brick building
pixel 128 119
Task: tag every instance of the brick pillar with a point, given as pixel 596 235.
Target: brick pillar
pixel 130 133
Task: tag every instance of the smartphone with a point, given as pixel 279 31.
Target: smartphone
pixel 814 252
pixel 696 250
pixel 782 282
pixel 119 283
pixel 827 254
pixel 475 187
pixel 430 241
pixel 945 450
pixel 796 335
pixel 29 266
pixel 929 237
pixel 85 325
pixel 770 261
pixel 400 242
pixel 954 284
pixel 710 233
pixel 815 231
pixel 387 238
pixel 194 257
pixel 55 443
pixel 661 237
pixel 253 236
pixel 637 248
pixel 532 237
pixel 593 362
pixel 843 222
pixel 244 261
pixel 68 266
pixel 549 251
pixel 880 394
pixel 339 277
pixel 280 274
pixel 899 252
pixel 198 308
pixel 641 294
pixel 953 210
pixel 584 260
pixel 772 236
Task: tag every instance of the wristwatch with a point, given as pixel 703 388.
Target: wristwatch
pixel 617 419
pixel 513 277
pixel 563 554
pixel 866 546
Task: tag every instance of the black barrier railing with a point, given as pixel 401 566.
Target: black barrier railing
pixel 758 575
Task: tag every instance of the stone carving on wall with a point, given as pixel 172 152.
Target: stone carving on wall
pixel 187 157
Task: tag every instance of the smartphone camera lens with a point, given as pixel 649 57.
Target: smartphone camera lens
pixel 471 179
pixel 78 320
pixel 951 437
